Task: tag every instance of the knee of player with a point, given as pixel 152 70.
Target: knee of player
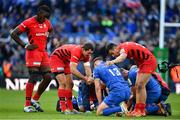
pixel 47 75
pixel 34 76
pixel 140 85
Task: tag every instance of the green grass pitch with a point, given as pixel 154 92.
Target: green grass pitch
pixel 11 107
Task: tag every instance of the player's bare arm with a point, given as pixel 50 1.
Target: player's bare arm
pixel 88 72
pixel 75 71
pixel 120 58
pixel 15 35
pixel 98 90
pixel 88 69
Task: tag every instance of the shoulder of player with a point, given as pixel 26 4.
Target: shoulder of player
pixel 77 48
pixel 31 19
pixel 47 21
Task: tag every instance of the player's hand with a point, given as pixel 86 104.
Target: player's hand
pixel 89 80
pixel 31 47
pixel 109 63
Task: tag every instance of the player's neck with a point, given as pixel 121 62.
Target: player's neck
pixel 36 18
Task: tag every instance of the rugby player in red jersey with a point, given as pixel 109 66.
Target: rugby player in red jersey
pixel 146 63
pixel 37 29
pixel 63 62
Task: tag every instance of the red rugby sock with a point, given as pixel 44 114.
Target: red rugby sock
pixel 29 90
pixel 69 99
pixel 62 99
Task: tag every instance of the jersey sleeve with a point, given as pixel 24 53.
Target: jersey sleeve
pixel 123 48
pixel 75 55
pixel 24 26
pixel 96 74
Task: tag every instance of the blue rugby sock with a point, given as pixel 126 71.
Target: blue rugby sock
pixel 152 109
pixel 109 111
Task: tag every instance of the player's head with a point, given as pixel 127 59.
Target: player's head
pixel 124 73
pixel 88 49
pixel 43 13
pixel 111 49
pixel 97 61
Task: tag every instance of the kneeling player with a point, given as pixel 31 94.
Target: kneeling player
pixel 157 92
pixel 119 90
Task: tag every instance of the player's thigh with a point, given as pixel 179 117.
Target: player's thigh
pixel 45 64
pixel 34 74
pixel 61 78
pixel 114 98
pixel 33 58
pixel 142 78
pixel 57 65
pixel 148 66
pixel 45 60
pixel 69 82
pixel 101 107
pixel 33 68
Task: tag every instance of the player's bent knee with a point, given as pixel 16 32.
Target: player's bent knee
pixel 60 77
pixel 34 76
pixel 47 75
pixel 140 85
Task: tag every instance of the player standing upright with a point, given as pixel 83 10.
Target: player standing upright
pixel 37 28
pixel 64 61
pixel 146 63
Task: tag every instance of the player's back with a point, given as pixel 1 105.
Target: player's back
pixel 112 77
pixel 64 51
pixel 136 51
pixel 152 84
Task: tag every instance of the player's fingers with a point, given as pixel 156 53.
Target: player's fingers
pixel 107 63
pixel 35 46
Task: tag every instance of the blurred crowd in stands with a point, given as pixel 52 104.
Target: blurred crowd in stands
pixel 99 21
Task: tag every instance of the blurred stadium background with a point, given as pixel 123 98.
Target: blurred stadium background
pixel 99 21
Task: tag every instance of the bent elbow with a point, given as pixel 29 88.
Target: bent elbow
pixel 12 33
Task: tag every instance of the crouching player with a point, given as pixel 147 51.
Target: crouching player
pixel 157 92
pixel 119 90
pixel 63 62
pixel 87 100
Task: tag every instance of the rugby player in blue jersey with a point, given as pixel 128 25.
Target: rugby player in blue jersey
pixel 118 87
pixel 157 92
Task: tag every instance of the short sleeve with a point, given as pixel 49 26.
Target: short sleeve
pixel 96 74
pixel 76 54
pixel 123 47
pixel 24 26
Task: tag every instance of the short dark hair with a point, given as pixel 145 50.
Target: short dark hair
pixel 88 46
pixel 44 8
pixel 97 58
pixel 110 46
